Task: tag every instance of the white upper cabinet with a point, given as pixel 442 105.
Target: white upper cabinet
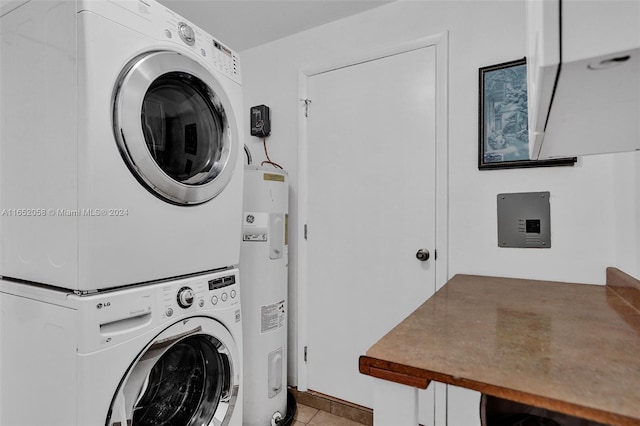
pixel 583 77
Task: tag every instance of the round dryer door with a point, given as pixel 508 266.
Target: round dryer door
pixel 189 375
pixel 175 127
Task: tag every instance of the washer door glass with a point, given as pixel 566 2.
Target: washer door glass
pixel 185 377
pixel 175 128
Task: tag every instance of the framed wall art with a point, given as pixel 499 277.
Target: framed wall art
pixel 503 136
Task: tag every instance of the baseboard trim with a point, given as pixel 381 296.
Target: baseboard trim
pixel 333 405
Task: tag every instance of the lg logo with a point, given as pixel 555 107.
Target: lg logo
pixel 103 305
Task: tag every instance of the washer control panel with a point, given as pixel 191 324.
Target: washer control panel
pixel 185 297
pixel 223 289
pixel 214 291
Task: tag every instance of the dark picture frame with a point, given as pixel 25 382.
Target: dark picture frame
pixel 503 135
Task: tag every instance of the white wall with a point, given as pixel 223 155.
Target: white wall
pixel 626 192
pixel 635 192
pixel 481 33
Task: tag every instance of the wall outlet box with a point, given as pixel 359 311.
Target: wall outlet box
pixel 260 121
pixel 524 220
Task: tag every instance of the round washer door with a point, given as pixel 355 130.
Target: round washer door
pixel 175 127
pixel 188 375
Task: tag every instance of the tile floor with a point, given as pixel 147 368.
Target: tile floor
pixel 306 415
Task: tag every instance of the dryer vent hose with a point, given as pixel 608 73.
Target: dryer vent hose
pixel 287 420
pixel 248 153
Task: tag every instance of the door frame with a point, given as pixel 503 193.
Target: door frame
pixel 441 43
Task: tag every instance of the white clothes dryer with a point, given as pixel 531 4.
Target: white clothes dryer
pixel 120 138
pixel 168 353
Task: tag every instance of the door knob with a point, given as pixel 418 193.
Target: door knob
pixel 422 255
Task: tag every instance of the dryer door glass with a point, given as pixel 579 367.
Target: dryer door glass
pixel 175 127
pixel 182 128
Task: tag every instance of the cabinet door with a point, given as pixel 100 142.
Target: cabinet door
pixel 583 85
pixel 543 59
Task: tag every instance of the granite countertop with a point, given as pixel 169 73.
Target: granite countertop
pixel 572 348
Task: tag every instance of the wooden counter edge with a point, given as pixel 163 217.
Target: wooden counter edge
pixel 622 285
pixel 625 286
pixel 418 378
pixel 381 370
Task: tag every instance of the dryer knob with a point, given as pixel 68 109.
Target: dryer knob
pixel 185 297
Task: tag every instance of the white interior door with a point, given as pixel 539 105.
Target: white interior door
pixel 371 179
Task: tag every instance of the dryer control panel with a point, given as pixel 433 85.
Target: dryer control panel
pixel 212 51
pixel 156 20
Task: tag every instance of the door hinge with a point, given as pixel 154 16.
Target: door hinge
pixel 305 231
pixel 306 106
pixel 305 354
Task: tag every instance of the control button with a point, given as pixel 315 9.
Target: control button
pixel 201 303
pixel 169 312
pixel 185 297
pixel 186 33
pixel 224 297
pixel 233 294
pixel 168 33
pixel 203 52
pixel 214 300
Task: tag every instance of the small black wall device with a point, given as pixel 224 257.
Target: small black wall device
pixel 260 121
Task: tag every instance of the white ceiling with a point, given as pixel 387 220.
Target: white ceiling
pixel 243 24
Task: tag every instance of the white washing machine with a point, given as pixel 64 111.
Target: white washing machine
pixel 120 137
pixel 169 353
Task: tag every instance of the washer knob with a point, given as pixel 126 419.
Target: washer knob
pixel 186 33
pixel 185 297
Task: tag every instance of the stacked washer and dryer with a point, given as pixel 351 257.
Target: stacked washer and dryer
pixel 121 200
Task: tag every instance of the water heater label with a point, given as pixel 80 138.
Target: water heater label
pixel 253 236
pixel 255 226
pixel 273 177
pixel 272 317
